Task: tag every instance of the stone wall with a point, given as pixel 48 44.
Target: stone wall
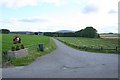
pixel 18 54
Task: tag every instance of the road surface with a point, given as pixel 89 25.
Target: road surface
pixel 66 62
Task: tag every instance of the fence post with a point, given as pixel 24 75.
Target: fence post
pixel 41 47
pixel 101 48
pixel 116 49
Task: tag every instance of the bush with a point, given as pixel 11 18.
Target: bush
pixel 21 46
pixel 17 48
pixel 13 48
pixel 4 31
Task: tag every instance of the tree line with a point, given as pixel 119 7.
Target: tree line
pixel 88 32
pixel 4 31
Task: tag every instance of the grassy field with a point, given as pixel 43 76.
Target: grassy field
pixel 29 41
pixel 109 36
pixel 0 50
pixel 26 40
pixel 92 44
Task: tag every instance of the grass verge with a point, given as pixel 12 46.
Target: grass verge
pixel 34 53
pixel 92 44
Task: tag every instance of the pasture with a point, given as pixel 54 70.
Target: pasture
pixel 104 45
pixel 0 50
pixel 109 36
pixel 29 41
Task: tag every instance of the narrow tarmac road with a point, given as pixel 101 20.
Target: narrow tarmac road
pixel 66 62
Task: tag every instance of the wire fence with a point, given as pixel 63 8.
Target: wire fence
pixel 6 42
pixel 31 47
pixel 98 48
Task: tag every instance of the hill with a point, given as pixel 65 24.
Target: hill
pixel 64 31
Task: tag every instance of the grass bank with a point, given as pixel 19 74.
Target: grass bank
pixel 31 42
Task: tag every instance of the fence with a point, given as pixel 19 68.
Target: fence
pixel 36 47
pixel 99 48
pixel 31 47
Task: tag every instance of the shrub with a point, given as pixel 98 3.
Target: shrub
pixel 17 48
pixel 21 46
pixel 13 48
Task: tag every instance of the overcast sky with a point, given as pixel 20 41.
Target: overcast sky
pixel 54 15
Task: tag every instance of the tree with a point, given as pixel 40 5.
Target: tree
pixel 79 33
pixel 36 33
pixel 48 34
pixel 98 36
pixel 4 31
pixel 90 32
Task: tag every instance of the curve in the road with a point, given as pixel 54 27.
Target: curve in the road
pixel 66 62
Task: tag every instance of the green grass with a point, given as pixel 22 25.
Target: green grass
pixel 0 50
pixel 26 40
pixel 31 42
pixel 94 42
pixel 109 36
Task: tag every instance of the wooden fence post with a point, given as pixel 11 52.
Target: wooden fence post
pixel 101 48
pixel 116 49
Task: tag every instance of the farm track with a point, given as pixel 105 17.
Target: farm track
pixel 66 62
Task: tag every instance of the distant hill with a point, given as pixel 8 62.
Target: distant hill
pixel 64 31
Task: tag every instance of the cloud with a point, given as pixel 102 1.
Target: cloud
pixel 102 17
pixel 23 3
pixel 103 6
pixel 25 20
pixel 17 3
pixel 89 9
pixel 112 12
pixel 34 20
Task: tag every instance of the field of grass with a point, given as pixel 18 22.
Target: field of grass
pixel 105 43
pixel 26 40
pixel 0 50
pixel 29 41
pixel 109 36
